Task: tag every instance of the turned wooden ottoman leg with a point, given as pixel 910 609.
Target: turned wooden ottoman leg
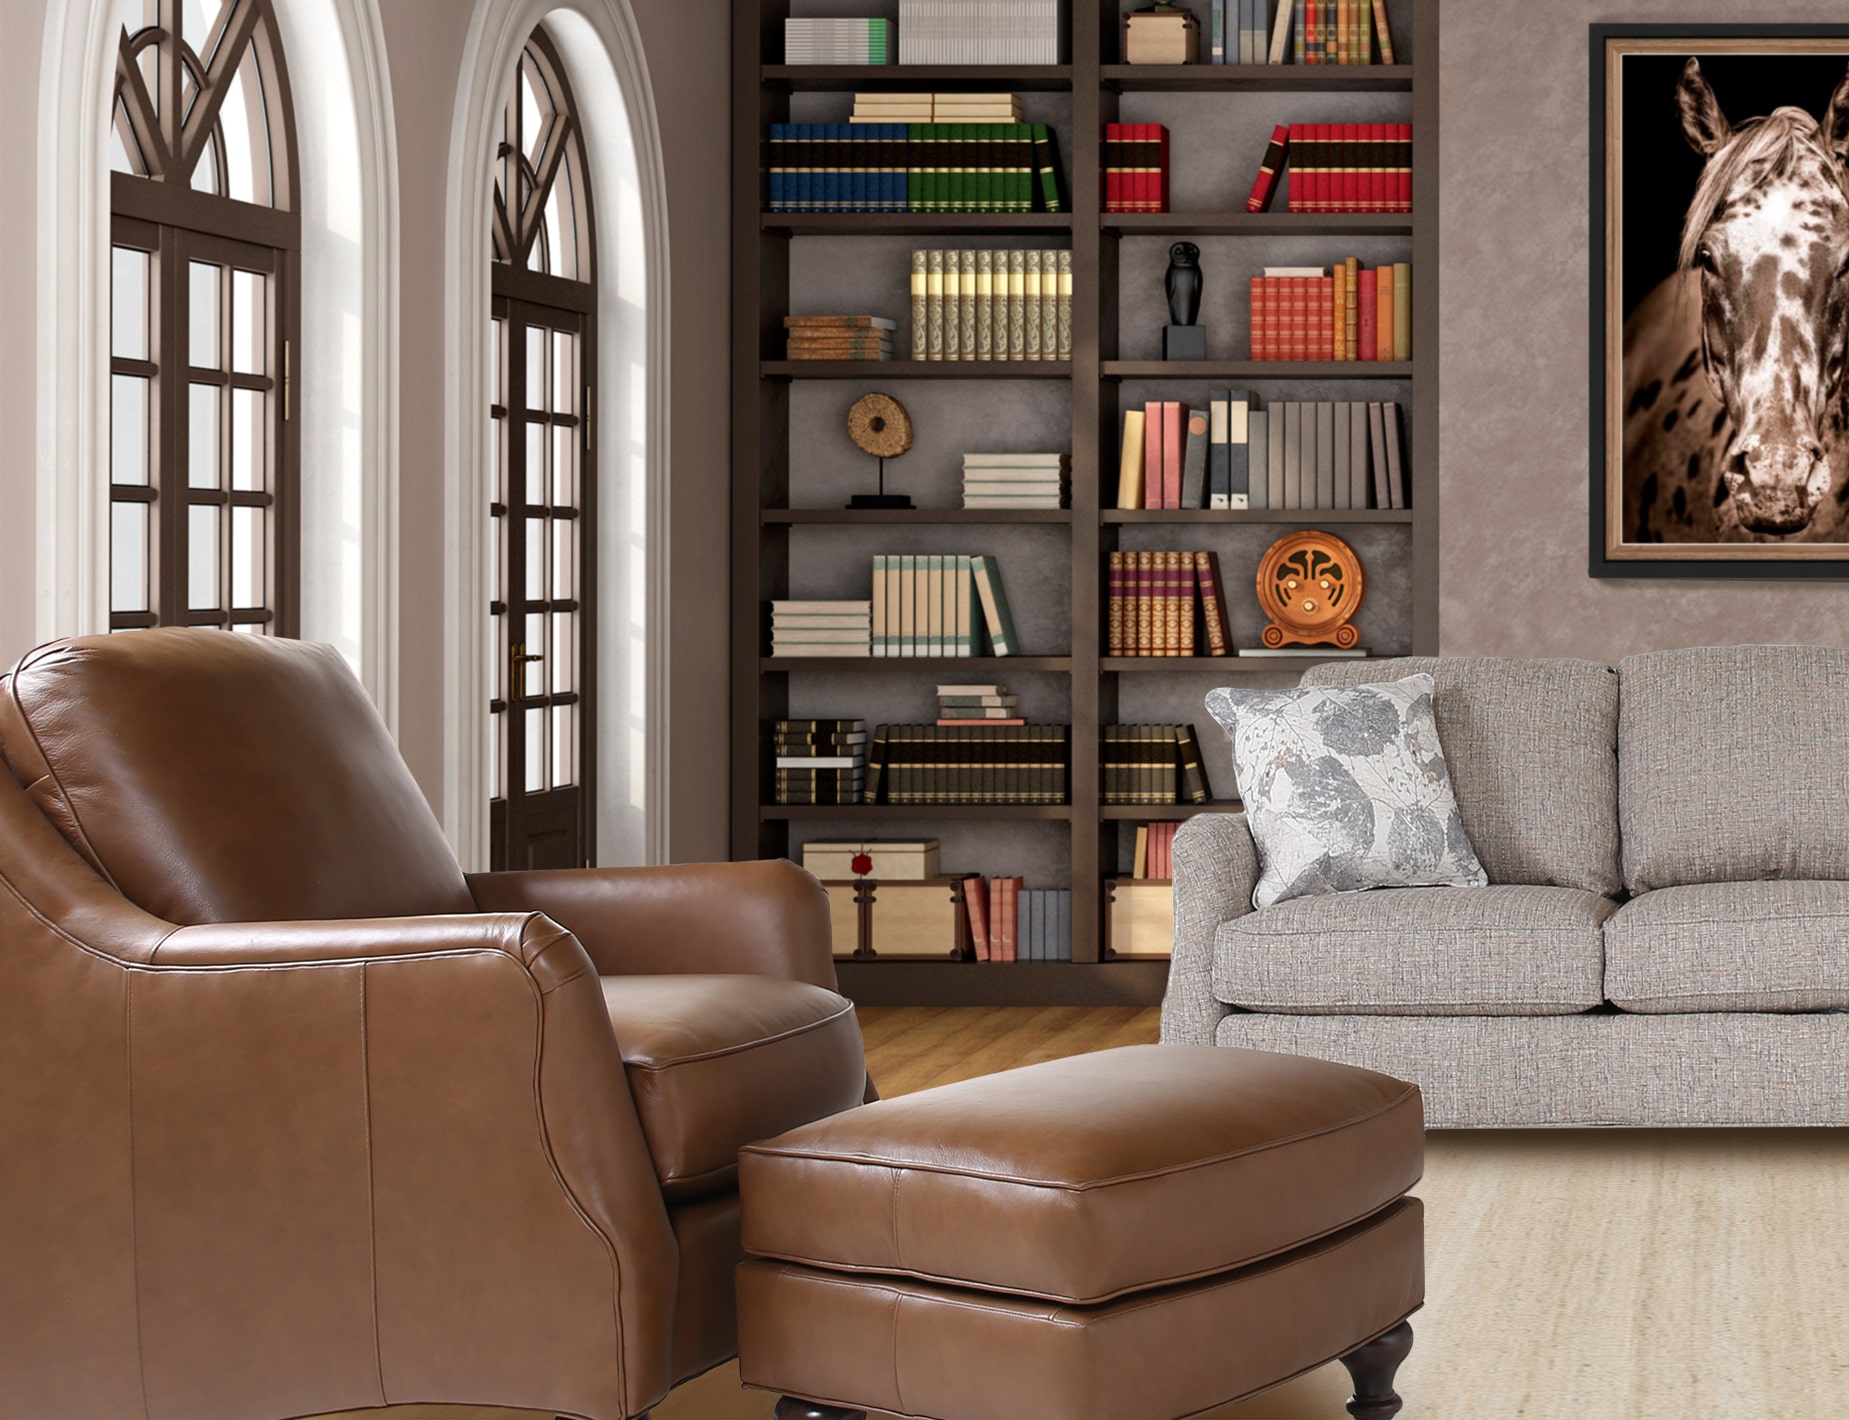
pixel 1371 1368
pixel 790 1408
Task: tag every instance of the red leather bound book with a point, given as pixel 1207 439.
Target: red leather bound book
pixel 1107 165
pixel 1162 169
pixel 1265 183
pixel 1255 318
pixel 976 902
pixel 1329 305
pixel 1367 345
pixel 1171 453
pixel 1402 171
pixel 1114 622
pixel 1312 32
pixel 1323 190
pixel 1152 454
pixel 1294 194
pixel 1351 168
pixel 1143 193
pixel 994 923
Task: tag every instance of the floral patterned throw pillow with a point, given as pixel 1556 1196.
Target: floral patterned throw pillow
pixel 1345 787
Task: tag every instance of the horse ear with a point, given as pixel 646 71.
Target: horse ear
pixel 1703 123
pixel 1835 129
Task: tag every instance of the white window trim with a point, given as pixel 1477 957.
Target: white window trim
pixel 344 41
pixel 497 34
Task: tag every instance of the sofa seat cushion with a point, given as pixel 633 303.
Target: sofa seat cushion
pixel 1771 946
pixel 715 1062
pixel 1490 951
pixel 1083 1179
pixel 1733 765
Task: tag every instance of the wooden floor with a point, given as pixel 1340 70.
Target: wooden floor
pixel 1572 1274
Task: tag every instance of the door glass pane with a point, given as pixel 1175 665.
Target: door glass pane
pixel 536 559
pixel 247 138
pixel 202 315
pixel 564 746
pixel 249 307
pixel 564 535
pixel 564 652
pixel 128 556
pixel 564 467
pixel 202 557
pixel 248 440
pixel 536 463
pixel 128 304
pixel 128 429
pixel 535 367
pixel 251 628
pixel 535 750
pixel 202 436
pixel 205 176
pixel 533 674
pixel 247 558
pixel 564 372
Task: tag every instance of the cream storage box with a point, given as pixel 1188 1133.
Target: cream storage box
pixel 890 860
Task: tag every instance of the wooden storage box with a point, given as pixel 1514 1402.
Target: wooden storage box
pixel 1139 919
pixel 887 859
pixel 899 921
pixel 1161 36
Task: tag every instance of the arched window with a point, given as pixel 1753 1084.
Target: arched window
pixel 204 306
pixel 543 501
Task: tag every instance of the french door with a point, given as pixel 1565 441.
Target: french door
pixel 542 588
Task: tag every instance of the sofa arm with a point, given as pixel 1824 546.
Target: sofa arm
pixel 432 1110
pixel 1216 871
pixel 766 918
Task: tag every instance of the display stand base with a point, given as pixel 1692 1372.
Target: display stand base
pixel 879 500
pixel 1184 342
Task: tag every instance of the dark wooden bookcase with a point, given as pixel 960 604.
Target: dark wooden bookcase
pixel 792 537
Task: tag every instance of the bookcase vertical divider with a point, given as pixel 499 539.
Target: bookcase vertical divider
pixel 1425 334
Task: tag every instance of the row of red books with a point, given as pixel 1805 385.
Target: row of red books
pixel 1134 158
pixel 1157 600
pixel 1354 313
pixel 1338 167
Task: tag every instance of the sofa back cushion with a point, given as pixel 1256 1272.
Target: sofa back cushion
pixel 1733 765
pixel 215 777
pixel 1532 750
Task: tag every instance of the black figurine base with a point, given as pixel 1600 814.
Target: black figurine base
pixel 879 500
pixel 1184 342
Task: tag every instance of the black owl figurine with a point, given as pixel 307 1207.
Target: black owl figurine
pixel 1183 339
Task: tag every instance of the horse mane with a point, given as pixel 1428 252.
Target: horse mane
pixel 1761 148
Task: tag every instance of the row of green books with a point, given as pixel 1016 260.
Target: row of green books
pixel 913 167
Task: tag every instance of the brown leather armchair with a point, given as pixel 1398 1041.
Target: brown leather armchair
pixel 295 1117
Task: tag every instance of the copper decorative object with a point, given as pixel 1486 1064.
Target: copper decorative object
pixel 1310 584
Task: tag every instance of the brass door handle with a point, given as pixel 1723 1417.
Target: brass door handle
pixel 518 659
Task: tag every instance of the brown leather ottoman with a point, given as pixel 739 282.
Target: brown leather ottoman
pixel 1137 1234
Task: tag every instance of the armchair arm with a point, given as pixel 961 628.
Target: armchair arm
pixel 1216 870
pixel 766 918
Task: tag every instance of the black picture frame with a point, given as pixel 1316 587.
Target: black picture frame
pixel 1615 558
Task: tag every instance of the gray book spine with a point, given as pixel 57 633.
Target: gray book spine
pixel 1341 454
pixel 1396 472
pixel 1325 454
pixel 1258 439
pixel 1293 455
pixel 1357 456
pixel 1239 449
pixel 1219 451
pixel 1030 926
pixel 1065 925
pixel 1274 458
pixel 1377 435
pixel 1194 460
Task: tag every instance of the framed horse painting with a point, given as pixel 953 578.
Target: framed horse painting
pixel 1720 308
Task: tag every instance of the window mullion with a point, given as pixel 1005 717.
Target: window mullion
pixel 169 471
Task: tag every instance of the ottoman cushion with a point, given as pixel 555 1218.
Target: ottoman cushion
pixel 916 1348
pixel 1080 1180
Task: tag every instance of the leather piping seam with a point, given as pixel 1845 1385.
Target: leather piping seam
pixel 1631 924
pixel 1101 1298
pixel 88 849
pixel 656 1066
pixel 1426 1007
pixel 372 1187
pixel 867 1159
pixel 134 1195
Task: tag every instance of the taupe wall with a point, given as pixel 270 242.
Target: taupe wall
pixel 1517 254
pixel 19 175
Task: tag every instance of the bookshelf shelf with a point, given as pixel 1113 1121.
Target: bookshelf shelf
pixel 1257 515
pixel 916 369
pixel 1257 78
pixel 905 78
pixel 788 446
pixel 922 517
pixel 955 665
pixel 911 224
pixel 1257 369
pixel 1257 224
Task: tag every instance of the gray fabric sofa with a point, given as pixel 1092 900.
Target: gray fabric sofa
pixel 1665 937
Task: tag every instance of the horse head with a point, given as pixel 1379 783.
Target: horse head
pixel 1768 230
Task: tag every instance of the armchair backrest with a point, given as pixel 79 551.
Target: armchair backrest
pixel 214 777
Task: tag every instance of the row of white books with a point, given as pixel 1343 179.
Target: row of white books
pixel 979 31
pixel 1016 480
pixel 817 628
pixel 826 41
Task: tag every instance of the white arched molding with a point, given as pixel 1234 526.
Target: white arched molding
pixel 602 52
pixel 346 151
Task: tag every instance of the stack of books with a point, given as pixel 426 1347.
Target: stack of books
pixel 1155 600
pixel 1177 457
pixel 1153 764
pixel 936 108
pixel 840 337
pixel 940 604
pixel 1016 480
pixel 879 166
pixel 1135 160
pixel 969 764
pixel 977 705
pixel 1327 454
pixel 1300 31
pixel 991 305
pixel 820 761
pixel 823 41
pixel 1009 922
pixel 821 628
pixel 1343 312
pixel 1155 851
pixel 980 32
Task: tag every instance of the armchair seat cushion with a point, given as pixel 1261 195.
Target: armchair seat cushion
pixel 1767 946
pixel 717 1062
pixel 1488 951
